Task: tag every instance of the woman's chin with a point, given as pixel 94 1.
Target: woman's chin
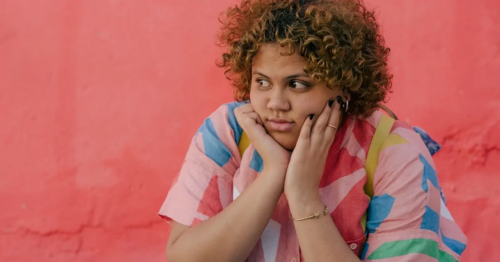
pixel 285 140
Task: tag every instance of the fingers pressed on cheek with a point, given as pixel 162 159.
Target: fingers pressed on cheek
pixel 305 132
pixel 330 102
pixel 338 105
pixel 309 121
pixel 334 118
pixel 310 117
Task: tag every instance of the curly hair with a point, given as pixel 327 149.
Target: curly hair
pixel 340 40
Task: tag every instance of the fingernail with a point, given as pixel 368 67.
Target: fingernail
pixel 339 99
pixel 330 102
pixel 311 116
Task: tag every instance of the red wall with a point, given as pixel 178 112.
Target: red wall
pixel 99 99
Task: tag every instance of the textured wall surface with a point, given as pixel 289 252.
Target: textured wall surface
pixel 99 100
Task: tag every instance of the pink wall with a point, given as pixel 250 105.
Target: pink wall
pixel 99 99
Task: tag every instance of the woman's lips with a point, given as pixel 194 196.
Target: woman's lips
pixel 280 125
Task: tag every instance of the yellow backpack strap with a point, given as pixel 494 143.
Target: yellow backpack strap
pixel 244 143
pixel 381 133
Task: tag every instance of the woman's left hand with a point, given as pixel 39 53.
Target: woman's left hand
pixel 308 159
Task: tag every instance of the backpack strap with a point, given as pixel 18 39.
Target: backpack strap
pixel 382 131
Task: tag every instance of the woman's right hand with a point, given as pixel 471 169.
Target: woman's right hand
pixel 272 153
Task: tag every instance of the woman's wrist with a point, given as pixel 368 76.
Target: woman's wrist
pixel 274 176
pixel 275 166
pixel 304 204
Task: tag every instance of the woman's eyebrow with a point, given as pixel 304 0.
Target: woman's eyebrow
pixel 297 75
pixel 255 72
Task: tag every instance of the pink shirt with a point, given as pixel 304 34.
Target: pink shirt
pixel 407 218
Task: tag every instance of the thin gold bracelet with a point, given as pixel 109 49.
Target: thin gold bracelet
pixel 314 215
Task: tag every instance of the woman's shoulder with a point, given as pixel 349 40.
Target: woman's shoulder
pixel 219 135
pixel 400 128
pixel 222 121
pixel 226 110
pixel 371 122
pixel 401 133
pixel 403 144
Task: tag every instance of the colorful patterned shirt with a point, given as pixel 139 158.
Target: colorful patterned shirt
pixel 406 220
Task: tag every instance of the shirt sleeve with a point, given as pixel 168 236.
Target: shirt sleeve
pixel 404 215
pixel 203 187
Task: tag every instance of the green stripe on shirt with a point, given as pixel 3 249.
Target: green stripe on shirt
pixel 405 247
pixel 411 246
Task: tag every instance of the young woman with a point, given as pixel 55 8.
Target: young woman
pixel 310 76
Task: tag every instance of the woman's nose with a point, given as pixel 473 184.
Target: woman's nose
pixel 278 100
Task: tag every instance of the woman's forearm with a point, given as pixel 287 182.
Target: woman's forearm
pixel 319 239
pixel 233 233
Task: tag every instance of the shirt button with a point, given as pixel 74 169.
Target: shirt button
pixel 353 246
pixel 294 260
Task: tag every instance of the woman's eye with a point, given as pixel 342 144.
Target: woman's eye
pixel 263 83
pixel 298 85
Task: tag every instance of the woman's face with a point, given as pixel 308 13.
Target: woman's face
pixel 283 95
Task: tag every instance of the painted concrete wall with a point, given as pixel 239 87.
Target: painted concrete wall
pixel 99 99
